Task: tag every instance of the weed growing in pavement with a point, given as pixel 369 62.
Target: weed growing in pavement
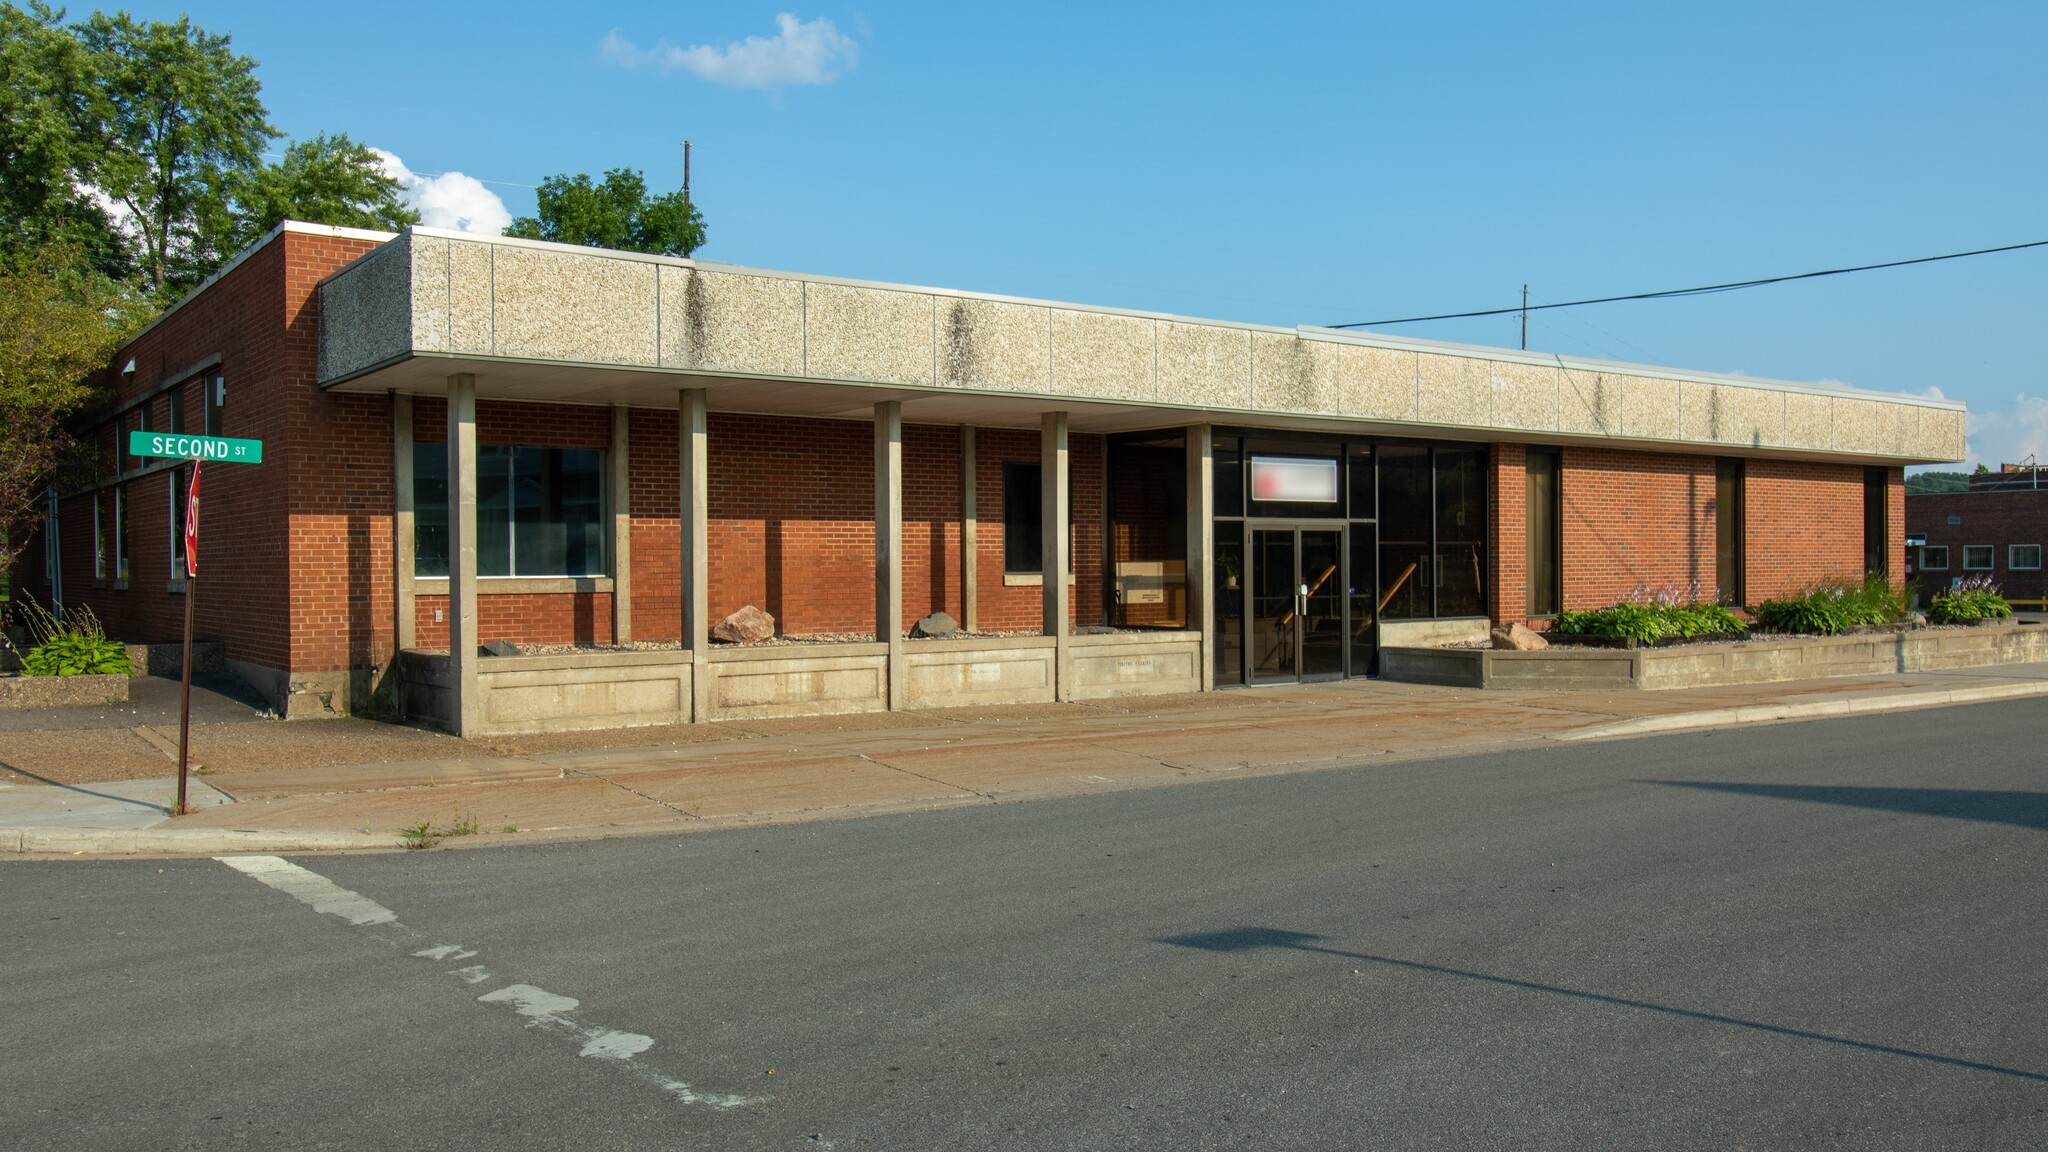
pixel 426 833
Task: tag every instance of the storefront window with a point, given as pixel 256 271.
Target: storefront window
pixel 1405 570
pixel 539 511
pixel 1461 531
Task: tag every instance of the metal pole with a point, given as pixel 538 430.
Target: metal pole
pixel 185 697
pixel 1525 317
pixel 686 172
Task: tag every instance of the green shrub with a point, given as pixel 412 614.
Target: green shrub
pixel 1974 599
pixel 77 645
pixel 1649 619
pixel 1832 606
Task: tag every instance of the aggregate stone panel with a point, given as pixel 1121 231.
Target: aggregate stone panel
pixel 370 306
pixel 1101 355
pixel 1809 420
pixel 994 345
pixel 1525 396
pixel 1752 417
pixel 730 322
pixel 1855 424
pixel 1452 390
pixel 469 297
pixel 429 293
pixel 1697 408
pixel 868 334
pixel 1290 374
pixel 1941 434
pixel 1376 382
pixel 1649 407
pixel 568 306
pixel 1898 427
pixel 1204 365
pixel 1590 402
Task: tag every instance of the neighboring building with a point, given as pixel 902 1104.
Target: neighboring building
pixel 1996 529
pixel 633 447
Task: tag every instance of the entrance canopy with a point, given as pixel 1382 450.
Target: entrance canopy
pixel 550 322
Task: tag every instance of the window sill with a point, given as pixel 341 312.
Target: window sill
pixel 515 585
pixel 1028 579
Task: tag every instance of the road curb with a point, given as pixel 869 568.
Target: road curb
pixel 1809 710
pixel 138 841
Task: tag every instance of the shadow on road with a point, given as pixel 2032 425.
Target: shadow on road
pixel 1251 939
pixel 2021 809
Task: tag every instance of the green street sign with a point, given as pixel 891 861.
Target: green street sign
pixel 182 447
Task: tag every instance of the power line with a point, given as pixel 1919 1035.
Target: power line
pixel 1702 291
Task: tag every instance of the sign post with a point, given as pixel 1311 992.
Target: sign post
pixel 197 449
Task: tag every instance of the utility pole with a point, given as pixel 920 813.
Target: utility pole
pixel 686 173
pixel 1525 313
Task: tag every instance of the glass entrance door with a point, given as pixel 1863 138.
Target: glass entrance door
pixel 1297 587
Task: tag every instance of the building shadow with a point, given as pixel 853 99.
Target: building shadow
pixel 1254 939
pixel 1990 806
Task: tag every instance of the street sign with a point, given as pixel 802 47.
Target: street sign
pixel 181 447
pixel 198 449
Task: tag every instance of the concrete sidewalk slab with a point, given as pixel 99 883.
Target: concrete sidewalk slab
pixel 122 804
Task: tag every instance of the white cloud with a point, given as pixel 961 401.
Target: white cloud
pixel 2009 435
pixel 800 52
pixel 451 200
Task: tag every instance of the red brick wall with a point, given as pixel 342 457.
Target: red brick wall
pixel 524 618
pixel 1633 520
pixel 1804 523
pixel 1999 519
pixel 1507 533
pixel 1005 608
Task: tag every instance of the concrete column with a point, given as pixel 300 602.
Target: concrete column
pixel 889 544
pixel 1053 486
pixel 462 618
pixel 402 523
pixel 622 529
pixel 1201 613
pixel 693 505
pixel 970 594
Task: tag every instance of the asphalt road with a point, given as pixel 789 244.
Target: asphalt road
pixel 1819 935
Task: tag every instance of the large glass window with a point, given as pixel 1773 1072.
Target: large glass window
pixel 539 511
pixel 1023 520
pixel 1877 552
pixel 216 402
pixel 1545 541
pixel 121 532
pixel 1404 501
pixel 1229 593
pixel 1728 529
pixel 1461 531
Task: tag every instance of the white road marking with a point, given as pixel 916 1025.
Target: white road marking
pixel 544 1011
pixel 311 888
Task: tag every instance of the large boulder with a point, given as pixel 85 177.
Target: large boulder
pixel 1517 638
pixel 934 625
pixel 744 626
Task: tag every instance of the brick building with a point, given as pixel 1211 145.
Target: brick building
pixel 601 454
pixel 1997 528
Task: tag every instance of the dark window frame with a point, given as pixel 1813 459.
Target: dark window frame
pixel 1927 565
pixel 1548 521
pixel 431 512
pixel 1731 526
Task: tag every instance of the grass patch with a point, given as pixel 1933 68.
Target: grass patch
pixel 426 833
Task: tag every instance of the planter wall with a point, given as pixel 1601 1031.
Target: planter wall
pixel 17 692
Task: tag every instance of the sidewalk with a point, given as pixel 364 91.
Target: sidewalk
pixel 572 785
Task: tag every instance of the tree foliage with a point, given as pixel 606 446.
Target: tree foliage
pixel 616 214
pixel 52 140
pixel 326 180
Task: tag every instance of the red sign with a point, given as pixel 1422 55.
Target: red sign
pixel 192 525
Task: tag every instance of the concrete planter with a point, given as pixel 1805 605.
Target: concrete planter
pixel 18 692
pixel 1705 665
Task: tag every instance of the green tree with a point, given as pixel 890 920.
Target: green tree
pixel 615 214
pixel 59 322
pixel 185 121
pixel 51 141
pixel 324 180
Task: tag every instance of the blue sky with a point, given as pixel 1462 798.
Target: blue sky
pixel 1287 164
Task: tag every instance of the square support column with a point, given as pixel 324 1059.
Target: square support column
pixel 403 614
pixel 889 544
pixel 970 592
pixel 1053 552
pixel 693 511
pixel 1201 613
pixel 621 500
pixel 462 617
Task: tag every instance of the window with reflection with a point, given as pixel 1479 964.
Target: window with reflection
pixel 539 510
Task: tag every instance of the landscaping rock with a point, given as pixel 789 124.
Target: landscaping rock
pixel 935 625
pixel 498 648
pixel 745 626
pixel 1518 638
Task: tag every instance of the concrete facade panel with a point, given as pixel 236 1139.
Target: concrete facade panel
pixel 868 334
pixel 1525 395
pixel 1749 417
pixel 731 323
pixel 1809 420
pixel 993 345
pixel 378 292
pixel 1451 389
pixel 472 322
pixel 1590 402
pixel 1378 383
pixel 430 304
pixel 569 306
pixel 1294 375
pixel 1101 355
pixel 1204 365
pixel 1855 423
pixel 1649 407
